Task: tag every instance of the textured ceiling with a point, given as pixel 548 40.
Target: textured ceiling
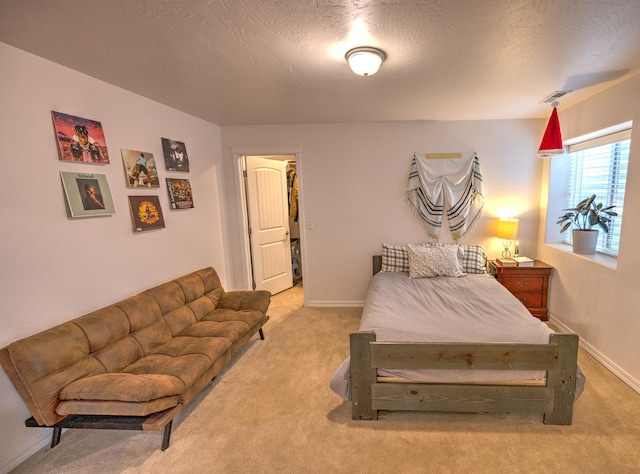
pixel 282 61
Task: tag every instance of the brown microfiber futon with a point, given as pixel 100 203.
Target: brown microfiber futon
pixel 136 363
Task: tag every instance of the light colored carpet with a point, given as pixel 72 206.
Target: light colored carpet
pixel 271 411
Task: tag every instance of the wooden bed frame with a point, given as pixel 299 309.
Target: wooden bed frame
pixel 553 398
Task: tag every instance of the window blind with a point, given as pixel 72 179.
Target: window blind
pixel 599 166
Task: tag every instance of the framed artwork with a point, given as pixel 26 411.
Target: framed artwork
pixel 175 155
pixel 146 213
pixel 88 194
pixel 80 139
pixel 140 169
pixel 180 194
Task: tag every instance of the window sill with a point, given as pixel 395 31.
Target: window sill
pixel 599 258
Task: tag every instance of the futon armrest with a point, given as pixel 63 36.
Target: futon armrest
pixel 246 300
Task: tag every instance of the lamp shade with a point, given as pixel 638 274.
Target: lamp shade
pixel 365 61
pixel 551 144
pixel 507 228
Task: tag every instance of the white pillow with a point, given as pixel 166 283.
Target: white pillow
pixel 430 261
pixel 472 257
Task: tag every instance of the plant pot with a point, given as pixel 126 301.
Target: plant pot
pixel 584 241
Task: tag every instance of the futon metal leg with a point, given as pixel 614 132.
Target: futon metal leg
pixel 261 334
pixel 166 435
pixel 55 439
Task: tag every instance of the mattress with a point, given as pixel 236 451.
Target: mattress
pixel 473 308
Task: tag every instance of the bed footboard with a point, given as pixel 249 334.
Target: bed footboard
pixel 554 400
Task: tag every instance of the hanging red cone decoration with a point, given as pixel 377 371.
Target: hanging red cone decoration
pixel 551 144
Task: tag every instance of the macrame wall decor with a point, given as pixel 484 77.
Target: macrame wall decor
pixel 445 182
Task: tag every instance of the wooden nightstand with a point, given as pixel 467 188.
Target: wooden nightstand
pixel 529 284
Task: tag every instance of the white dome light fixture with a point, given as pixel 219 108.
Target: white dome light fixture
pixel 365 60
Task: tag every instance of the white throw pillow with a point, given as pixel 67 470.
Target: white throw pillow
pixel 430 261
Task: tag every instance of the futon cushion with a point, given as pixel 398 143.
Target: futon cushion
pixel 123 387
pixel 232 330
pixel 142 355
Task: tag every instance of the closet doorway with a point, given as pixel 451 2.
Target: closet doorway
pixel 272 224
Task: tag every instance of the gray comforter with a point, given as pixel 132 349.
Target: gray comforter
pixel 473 308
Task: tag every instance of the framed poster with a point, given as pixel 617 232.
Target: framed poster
pixel 180 194
pixel 140 169
pixel 88 194
pixel 146 213
pixel 80 139
pixel 175 155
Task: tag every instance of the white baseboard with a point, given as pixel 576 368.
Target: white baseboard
pixel 604 360
pixel 28 450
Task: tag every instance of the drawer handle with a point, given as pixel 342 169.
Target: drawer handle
pixel 524 300
pixel 523 283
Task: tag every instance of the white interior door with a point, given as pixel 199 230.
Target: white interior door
pixel 268 210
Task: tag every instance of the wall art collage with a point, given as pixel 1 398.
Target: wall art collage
pixel 82 140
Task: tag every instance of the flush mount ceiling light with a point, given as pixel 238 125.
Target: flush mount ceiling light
pixel 365 60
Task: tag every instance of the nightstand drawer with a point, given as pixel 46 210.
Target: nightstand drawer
pixel 528 284
pixel 530 300
pixel 517 284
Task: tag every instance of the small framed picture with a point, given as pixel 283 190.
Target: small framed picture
pixel 87 194
pixel 146 213
pixel 140 169
pixel 175 155
pixel 80 139
pixel 180 194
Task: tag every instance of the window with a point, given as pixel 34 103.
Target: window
pixel 599 166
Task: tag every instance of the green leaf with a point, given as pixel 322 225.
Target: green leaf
pixel 587 202
pixel 587 214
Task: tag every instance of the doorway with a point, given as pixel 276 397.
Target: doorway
pixel 270 221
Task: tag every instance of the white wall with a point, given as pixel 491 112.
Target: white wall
pixel 597 299
pixel 55 268
pixel 352 181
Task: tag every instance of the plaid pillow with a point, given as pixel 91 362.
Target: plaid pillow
pixel 473 259
pixel 394 258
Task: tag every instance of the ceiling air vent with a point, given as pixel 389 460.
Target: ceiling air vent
pixel 554 96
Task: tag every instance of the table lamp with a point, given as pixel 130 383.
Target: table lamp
pixel 507 231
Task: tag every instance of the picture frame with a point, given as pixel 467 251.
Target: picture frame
pixel 140 169
pixel 180 194
pixel 146 213
pixel 175 155
pixel 87 194
pixel 79 139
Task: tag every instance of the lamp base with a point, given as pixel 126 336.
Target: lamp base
pixel 506 253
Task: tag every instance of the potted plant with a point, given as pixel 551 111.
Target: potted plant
pixel 584 217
